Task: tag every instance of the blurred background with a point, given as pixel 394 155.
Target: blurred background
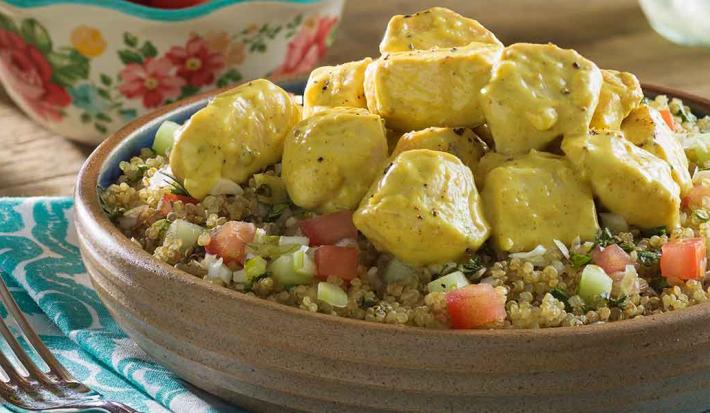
pixel 615 34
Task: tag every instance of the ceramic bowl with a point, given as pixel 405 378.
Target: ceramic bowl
pixel 269 357
pixel 110 61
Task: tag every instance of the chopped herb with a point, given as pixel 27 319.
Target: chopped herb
pixel 658 284
pixel 275 212
pixel 649 258
pixel 562 296
pixel 176 186
pixel 604 238
pixel 620 302
pixel 112 213
pixel 580 260
pixel 472 266
pixel 655 231
pixel 702 215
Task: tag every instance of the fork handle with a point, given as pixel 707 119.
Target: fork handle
pixel 105 405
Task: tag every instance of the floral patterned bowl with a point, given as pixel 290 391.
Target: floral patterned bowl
pixel 107 62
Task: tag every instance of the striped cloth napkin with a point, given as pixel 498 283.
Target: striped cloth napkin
pixel 40 260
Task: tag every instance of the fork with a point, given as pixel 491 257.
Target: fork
pixel 39 390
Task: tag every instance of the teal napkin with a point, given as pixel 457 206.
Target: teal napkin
pixel 38 249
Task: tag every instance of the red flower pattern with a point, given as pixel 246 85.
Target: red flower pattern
pixel 306 48
pixel 152 80
pixel 30 77
pixel 195 62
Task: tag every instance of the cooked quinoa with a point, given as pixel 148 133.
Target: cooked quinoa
pixel 539 287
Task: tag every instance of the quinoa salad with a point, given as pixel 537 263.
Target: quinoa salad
pixel 452 182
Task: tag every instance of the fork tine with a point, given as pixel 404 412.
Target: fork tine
pixel 54 366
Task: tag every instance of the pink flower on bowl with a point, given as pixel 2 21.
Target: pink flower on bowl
pixel 306 48
pixel 152 80
pixel 30 77
pixel 196 63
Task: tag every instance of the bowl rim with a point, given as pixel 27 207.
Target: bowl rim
pixel 88 210
pixel 151 13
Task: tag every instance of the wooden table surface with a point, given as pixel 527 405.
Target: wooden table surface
pixel 613 33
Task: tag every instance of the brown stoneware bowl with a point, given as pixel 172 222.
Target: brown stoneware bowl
pixel 269 357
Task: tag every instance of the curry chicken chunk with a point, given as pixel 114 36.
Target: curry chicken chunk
pixel 331 86
pixel 619 95
pixel 331 158
pixel 539 92
pixel 626 179
pixel 646 128
pixel 461 142
pixel 437 27
pixel 425 209
pixel 238 133
pixel 535 199
pixel 424 88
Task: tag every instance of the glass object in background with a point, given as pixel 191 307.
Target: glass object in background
pixel 681 21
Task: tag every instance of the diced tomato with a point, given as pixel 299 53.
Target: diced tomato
pixel 338 261
pixel 694 198
pixel 668 118
pixel 684 259
pixel 329 229
pixel 229 241
pixel 611 258
pixel 165 206
pixel 474 306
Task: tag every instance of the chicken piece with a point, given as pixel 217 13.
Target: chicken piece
pixel 626 179
pixel 419 89
pixel 332 86
pixel 425 209
pixel 646 128
pixel 240 132
pixel 620 94
pixel 486 164
pixel 536 199
pixel 331 158
pixel 539 92
pixel 437 27
pixel 461 142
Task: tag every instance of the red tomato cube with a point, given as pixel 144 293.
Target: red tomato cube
pixel 475 306
pixel 684 259
pixel 329 229
pixel 229 241
pixel 611 258
pixel 338 261
pixel 165 205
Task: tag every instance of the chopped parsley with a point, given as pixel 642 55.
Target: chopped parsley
pixel 658 284
pixel 660 231
pixel 561 296
pixel 472 266
pixel 649 258
pixel 580 260
pixel 702 215
pixel 604 238
pixel 620 302
pixel 176 186
pixel 275 212
pixel 685 115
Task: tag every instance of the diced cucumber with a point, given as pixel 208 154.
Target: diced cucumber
pixel 594 283
pixel 270 189
pixel 397 270
pixel 282 269
pixel 226 187
pixel 186 232
pixel 449 282
pixel 165 137
pixel 284 240
pixel 698 148
pixel 303 264
pixel 332 294
pixel 254 267
pixel 615 222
